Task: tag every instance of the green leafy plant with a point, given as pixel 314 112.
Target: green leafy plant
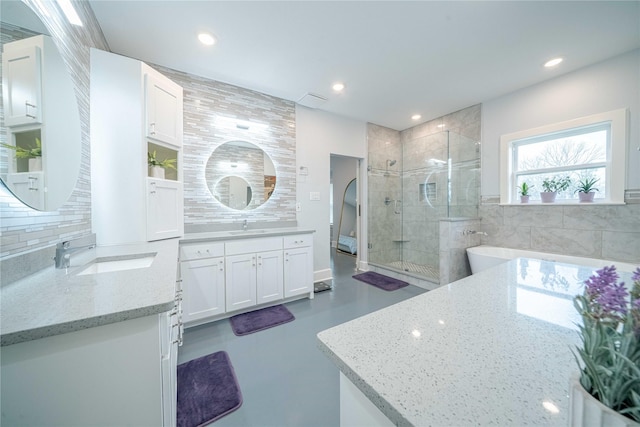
pixel 609 357
pixel 152 160
pixel 556 184
pixel 26 153
pixel 586 185
pixel 525 188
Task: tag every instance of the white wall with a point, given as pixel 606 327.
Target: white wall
pixel 605 86
pixel 318 135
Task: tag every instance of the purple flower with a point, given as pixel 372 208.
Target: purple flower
pixel 636 275
pixel 601 280
pixel 613 300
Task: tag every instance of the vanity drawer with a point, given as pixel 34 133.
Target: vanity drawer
pixel 245 246
pixel 201 250
pixel 298 241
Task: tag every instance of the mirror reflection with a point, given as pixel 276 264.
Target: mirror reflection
pixel 40 134
pixel 240 175
pixel 347 239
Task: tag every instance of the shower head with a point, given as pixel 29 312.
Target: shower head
pixel 391 163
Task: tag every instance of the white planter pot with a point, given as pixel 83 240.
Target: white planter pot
pixel 548 196
pixel 156 172
pixel 587 411
pixel 35 164
pixel 524 199
pixel 586 197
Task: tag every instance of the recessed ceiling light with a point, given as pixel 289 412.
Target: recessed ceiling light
pixel 416 117
pixel 69 12
pixel 441 125
pixel 206 39
pixel 553 62
pixel 338 87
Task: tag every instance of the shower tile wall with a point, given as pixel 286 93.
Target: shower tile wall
pixel 411 241
pixel 24 230
pixel 206 101
pixel 385 231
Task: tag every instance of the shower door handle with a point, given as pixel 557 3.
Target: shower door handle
pixel 396 209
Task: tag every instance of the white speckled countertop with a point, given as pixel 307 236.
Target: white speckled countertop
pixel 55 301
pixel 240 234
pixel 489 349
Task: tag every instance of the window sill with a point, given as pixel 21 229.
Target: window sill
pixel 565 203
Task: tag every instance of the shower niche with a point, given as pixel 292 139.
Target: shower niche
pixel 416 180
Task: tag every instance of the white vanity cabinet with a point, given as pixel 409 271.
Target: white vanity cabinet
pixel 202 267
pixel 135 110
pixel 298 264
pixel 254 272
pixel 29 187
pixel 227 277
pixel 117 374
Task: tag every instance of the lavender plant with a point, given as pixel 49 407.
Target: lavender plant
pixel 610 334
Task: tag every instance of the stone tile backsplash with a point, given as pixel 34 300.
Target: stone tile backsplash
pixel 606 232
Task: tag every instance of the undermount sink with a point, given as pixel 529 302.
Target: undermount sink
pixel 247 232
pixel 111 264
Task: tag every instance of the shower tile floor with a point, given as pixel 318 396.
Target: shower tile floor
pixel 424 270
pixel 284 378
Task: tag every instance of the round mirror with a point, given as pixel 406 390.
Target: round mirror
pixel 40 137
pixel 240 175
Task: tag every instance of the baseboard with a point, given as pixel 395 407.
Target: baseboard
pixel 322 275
pixel 363 266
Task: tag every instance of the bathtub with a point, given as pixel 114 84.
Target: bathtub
pixel 483 257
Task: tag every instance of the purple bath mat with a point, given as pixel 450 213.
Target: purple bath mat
pixel 265 318
pixel 207 390
pixel 380 281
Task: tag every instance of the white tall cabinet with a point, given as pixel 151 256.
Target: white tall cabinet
pixel 135 110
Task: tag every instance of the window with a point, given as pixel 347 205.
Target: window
pixel 588 148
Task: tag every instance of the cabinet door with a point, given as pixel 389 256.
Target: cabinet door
pixel 164 209
pixel 169 346
pixel 29 187
pixel 21 82
pixel 163 110
pixel 269 280
pixel 298 271
pixel 203 282
pixel 240 281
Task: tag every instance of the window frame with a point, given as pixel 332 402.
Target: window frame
pixel 615 164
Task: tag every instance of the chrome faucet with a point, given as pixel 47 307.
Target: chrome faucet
pixel 66 248
pixel 245 225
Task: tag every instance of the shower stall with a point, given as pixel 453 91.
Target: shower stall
pixel 415 180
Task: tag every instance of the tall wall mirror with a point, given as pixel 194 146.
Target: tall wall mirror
pixel 347 239
pixel 40 133
pixel 240 175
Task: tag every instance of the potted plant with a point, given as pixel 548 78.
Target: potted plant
pixel 524 190
pixel 33 154
pixel 157 167
pixel 553 186
pixel 586 190
pixel 609 354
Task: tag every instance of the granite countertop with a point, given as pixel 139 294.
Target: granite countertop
pixel 240 234
pixel 494 348
pixel 56 301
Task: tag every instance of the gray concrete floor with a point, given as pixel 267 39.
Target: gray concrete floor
pixel 285 380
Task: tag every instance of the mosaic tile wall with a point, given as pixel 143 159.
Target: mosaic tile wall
pixel 24 229
pixel 211 109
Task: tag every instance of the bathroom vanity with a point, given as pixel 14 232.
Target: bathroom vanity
pixel 494 348
pixel 231 272
pixel 94 344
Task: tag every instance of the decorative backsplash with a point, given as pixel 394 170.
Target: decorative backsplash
pixel 22 228
pixel 211 111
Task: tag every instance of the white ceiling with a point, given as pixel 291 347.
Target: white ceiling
pixel 396 58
